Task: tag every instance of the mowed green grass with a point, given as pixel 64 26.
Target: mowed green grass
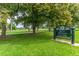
pixel 22 43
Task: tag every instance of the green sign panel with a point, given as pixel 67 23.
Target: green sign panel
pixel 64 31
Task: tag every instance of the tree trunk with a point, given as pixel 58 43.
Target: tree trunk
pixel 3 34
pixel 11 27
pixel 34 29
pixel 28 29
pixel 49 29
pixel 25 25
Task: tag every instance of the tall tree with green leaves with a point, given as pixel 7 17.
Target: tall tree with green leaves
pixel 74 9
pixel 3 19
pixel 60 15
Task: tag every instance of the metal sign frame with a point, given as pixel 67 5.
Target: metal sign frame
pixel 61 31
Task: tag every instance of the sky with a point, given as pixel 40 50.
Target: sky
pixel 18 26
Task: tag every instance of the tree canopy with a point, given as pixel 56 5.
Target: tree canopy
pixel 37 14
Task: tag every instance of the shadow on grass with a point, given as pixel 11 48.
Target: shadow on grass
pixel 26 38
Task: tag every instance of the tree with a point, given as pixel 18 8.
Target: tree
pixel 74 9
pixel 3 17
pixel 60 15
pixel 35 17
pixel 38 15
pixel 6 11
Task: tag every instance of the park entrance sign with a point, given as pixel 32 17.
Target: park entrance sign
pixel 62 31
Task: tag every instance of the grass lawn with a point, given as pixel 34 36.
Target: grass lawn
pixel 22 43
